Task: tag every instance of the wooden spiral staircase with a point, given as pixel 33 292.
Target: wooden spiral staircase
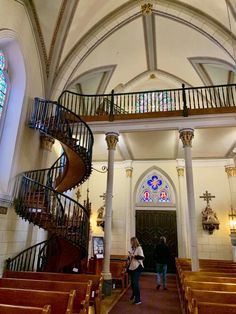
pixel 40 194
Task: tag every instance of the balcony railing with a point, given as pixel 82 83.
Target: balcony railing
pixel 182 100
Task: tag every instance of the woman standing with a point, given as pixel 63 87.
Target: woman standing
pixel 136 266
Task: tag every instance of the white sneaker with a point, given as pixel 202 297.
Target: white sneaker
pixel 136 303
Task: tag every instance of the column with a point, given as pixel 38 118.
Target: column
pixel 231 172
pixel 112 139
pixel 186 135
pixel 183 215
pixel 129 209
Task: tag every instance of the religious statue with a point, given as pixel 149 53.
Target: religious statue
pixel 210 221
pixel 101 213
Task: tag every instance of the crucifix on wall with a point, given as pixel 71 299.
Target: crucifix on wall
pixel 207 197
pixel 210 220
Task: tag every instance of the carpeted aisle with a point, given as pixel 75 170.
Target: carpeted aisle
pixel 153 301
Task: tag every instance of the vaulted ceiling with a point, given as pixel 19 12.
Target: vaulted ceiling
pixel 93 47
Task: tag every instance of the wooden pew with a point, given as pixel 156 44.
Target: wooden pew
pixel 214 308
pixel 83 289
pixel 97 281
pixel 117 270
pixel 222 297
pixel 14 309
pixel 61 302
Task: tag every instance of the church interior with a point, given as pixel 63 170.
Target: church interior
pixel 117 119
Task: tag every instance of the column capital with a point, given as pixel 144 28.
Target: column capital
pixel 180 171
pixel 112 139
pixel 186 135
pixel 231 171
pixel 129 172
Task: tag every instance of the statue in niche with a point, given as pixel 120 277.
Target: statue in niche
pixel 210 221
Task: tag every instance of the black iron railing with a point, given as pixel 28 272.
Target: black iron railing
pixel 62 123
pixel 168 100
pixel 36 197
pixel 30 259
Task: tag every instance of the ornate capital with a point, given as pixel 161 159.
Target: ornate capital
pixel 129 172
pixel 112 139
pixel 180 171
pixel 147 8
pixel 186 135
pixel 46 142
pixel 231 171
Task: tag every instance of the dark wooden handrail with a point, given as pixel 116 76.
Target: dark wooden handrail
pixel 169 100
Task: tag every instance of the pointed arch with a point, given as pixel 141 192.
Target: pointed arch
pixel 155 188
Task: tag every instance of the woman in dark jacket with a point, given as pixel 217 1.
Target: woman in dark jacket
pixel 162 257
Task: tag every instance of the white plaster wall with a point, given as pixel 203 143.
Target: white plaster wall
pixel 214 180
pixel 19 145
pixel 208 175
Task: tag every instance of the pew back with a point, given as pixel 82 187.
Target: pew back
pixel 14 309
pixel 83 289
pixel 214 308
pixel 61 302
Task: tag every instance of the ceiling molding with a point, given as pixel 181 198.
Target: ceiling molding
pixel 231 7
pixel 150 41
pixel 37 31
pixel 198 65
pixel 61 30
pixel 157 73
pixel 108 71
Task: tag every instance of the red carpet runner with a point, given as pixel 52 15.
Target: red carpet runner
pixel 153 301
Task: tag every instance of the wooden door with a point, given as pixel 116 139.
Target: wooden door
pixel 150 225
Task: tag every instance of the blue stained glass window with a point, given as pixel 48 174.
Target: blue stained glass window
pixel 154 189
pixel 3 81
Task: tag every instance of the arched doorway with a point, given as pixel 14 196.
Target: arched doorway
pixel 155 215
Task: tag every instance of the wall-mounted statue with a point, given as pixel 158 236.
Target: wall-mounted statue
pixel 101 213
pixel 210 221
pixel 100 217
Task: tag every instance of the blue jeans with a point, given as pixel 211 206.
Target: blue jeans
pixel 161 269
pixel 134 276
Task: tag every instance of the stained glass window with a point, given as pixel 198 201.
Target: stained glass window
pixel 154 101
pixel 154 189
pixel 3 81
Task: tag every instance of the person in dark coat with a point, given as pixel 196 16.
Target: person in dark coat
pixel 162 257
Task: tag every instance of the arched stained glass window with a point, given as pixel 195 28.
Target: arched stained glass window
pixel 154 102
pixel 154 189
pixel 3 81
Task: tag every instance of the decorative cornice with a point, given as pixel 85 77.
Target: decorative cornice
pixel 186 135
pixel 112 139
pixel 58 22
pixel 231 171
pixel 180 171
pixel 147 8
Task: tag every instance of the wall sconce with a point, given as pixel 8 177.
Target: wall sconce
pixel 232 221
